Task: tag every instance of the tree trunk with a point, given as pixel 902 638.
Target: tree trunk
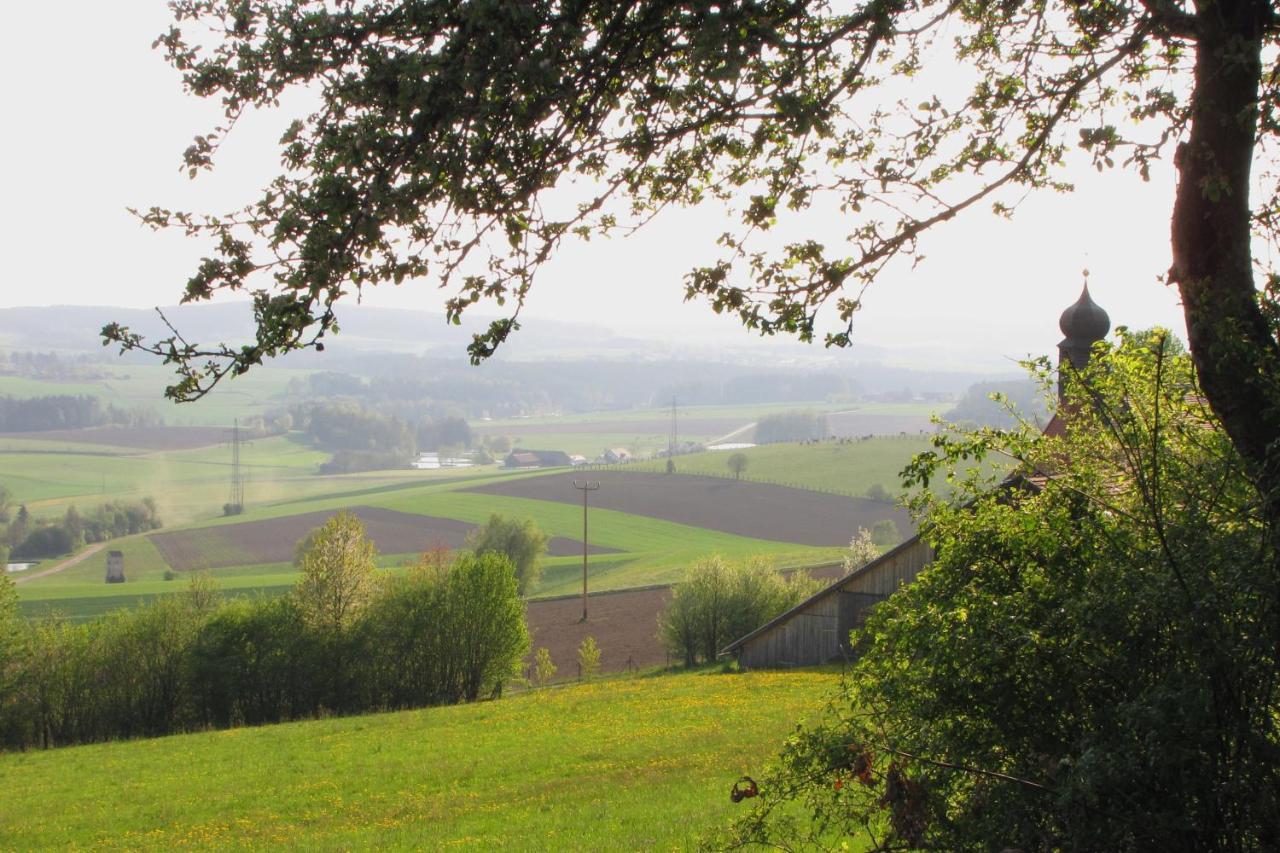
pixel 1234 350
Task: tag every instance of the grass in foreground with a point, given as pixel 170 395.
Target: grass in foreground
pixel 623 764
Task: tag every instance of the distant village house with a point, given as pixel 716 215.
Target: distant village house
pixel 537 459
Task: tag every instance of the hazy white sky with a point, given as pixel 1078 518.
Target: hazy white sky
pixel 95 122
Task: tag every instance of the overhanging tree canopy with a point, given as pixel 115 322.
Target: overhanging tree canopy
pixel 446 128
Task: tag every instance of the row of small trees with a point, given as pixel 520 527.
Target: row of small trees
pixel 29 538
pixel 346 640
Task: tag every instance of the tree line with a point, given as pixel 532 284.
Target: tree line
pixel 65 411
pixel 362 439
pixel 26 538
pixel 345 641
pixel 791 426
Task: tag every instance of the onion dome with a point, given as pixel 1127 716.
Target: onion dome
pixel 1084 322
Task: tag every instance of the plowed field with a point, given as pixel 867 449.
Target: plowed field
pixel 623 623
pixel 758 510
pixel 134 438
pixel 273 540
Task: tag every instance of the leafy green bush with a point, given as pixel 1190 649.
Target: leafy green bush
pixel 1089 664
pixel 446 632
pixel 520 541
pixel 717 603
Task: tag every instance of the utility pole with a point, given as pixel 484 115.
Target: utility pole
pixel 585 487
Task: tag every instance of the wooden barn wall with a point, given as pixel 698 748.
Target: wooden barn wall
pixel 810 636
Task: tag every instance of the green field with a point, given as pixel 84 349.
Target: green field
pixel 652 551
pixel 281 480
pixel 589 434
pixel 626 764
pixel 846 468
pixel 187 485
pixel 142 386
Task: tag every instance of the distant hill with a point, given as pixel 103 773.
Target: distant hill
pixel 555 354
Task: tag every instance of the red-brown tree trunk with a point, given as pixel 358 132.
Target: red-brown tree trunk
pixel 1234 349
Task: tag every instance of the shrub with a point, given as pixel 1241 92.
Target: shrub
pixel 717 602
pixel 337 568
pixel 521 542
pixel 588 659
pixel 1090 662
pixel 446 632
pixel 260 662
pixel 885 533
pixel 862 550
pixel 543 668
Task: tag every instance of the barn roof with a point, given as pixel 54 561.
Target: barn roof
pixel 825 591
pixel 1014 480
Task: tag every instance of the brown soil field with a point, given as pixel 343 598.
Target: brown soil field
pixel 138 438
pixel 273 540
pixel 624 624
pixel 757 510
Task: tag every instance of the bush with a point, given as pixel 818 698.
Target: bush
pixel 877 492
pixel 337 565
pixel 10 652
pixel 885 533
pixel 588 659
pixel 447 632
pixel 791 426
pixel 259 662
pixel 717 603
pixel 46 541
pixel 544 669
pixel 1090 662
pixel 521 542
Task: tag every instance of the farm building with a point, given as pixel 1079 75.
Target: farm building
pixel 817 630
pixel 537 459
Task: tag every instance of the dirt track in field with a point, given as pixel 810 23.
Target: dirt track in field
pixel 134 438
pixel 758 510
pixel 623 623
pixel 273 540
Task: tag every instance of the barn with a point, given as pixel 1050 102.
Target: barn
pixel 816 631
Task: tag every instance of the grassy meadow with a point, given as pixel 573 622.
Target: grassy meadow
pixel 142 386
pixel 832 466
pixel 620 764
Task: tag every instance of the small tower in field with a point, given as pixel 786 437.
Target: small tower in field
pixel 115 567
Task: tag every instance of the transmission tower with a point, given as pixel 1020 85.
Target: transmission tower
pixel 235 505
pixel 672 440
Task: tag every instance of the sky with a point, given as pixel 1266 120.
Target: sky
pixel 96 122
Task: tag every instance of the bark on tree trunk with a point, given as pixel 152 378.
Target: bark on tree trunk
pixel 1234 350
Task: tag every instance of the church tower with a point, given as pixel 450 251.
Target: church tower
pixel 1084 324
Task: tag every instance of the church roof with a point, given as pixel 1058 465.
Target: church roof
pixel 1084 321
